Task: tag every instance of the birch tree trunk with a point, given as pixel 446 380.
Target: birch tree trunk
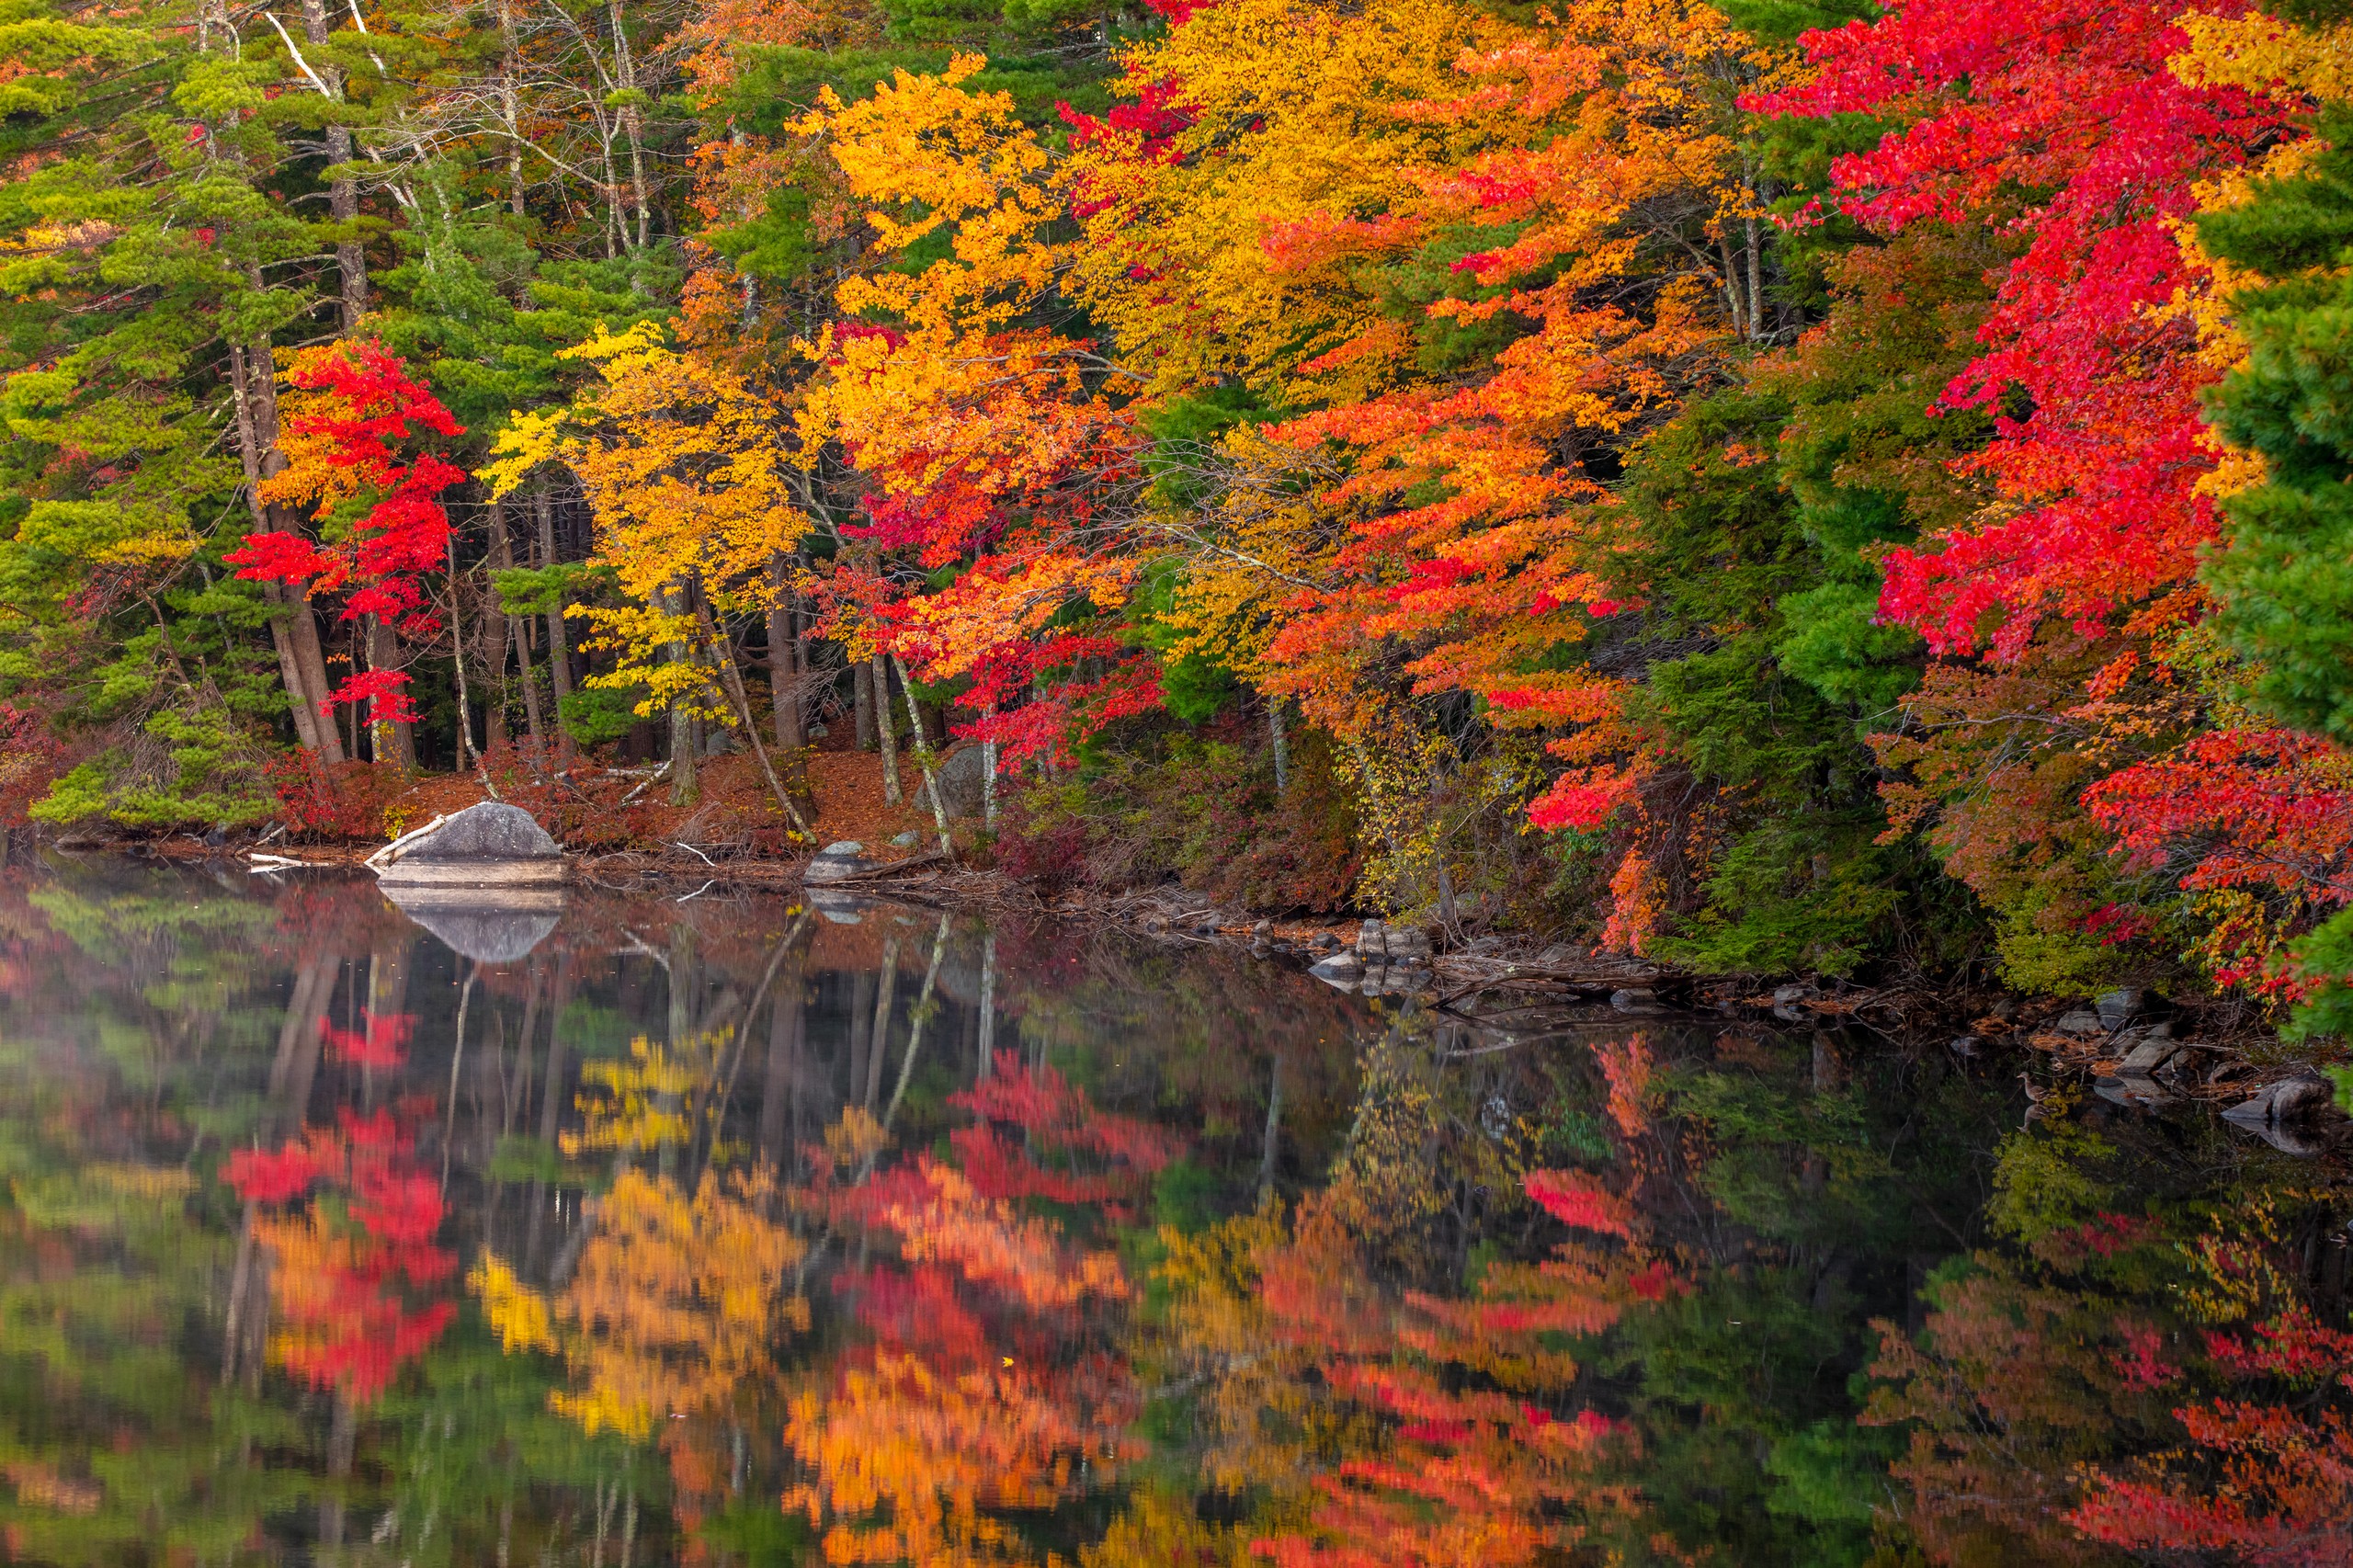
pixel 880 677
pixel 343 194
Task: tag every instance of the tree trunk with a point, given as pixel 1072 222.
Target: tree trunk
pixel 923 760
pixel 732 680
pixel 312 728
pixel 303 626
pixel 885 736
pixel 625 67
pixel 1281 745
pixel 343 195
pixel 306 692
pixel 784 663
pixel 510 104
pixel 861 685
pixel 457 661
pixel 988 777
pixel 685 785
pixel 559 649
pixel 393 740
pixel 502 559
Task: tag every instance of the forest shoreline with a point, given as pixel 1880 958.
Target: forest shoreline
pixel 2219 1060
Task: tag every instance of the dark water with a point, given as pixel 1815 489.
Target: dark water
pixel 719 1230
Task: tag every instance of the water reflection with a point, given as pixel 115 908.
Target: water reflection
pixel 644 1231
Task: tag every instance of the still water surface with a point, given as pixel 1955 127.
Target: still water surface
pixel 727 1232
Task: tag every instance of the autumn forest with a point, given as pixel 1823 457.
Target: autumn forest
pixel 1812 500
pixel 1776 490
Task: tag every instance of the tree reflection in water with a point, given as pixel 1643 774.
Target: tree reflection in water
pixel 731 1232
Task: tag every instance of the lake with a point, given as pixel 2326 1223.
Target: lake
pixel 686 1228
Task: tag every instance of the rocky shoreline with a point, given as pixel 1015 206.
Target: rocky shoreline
pixel 2116 1049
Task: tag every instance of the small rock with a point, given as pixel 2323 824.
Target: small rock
pixel 2130 1090
pixel 1556 955
pixel 2147 1057
pixel 2080 1021
pixel 1632 1001
pixel 1324 941
pixel 2118 1007
pixel 1373 941
pixel 1341 970
pixel 908 839
pixel 1964 1045
pixel 1785 994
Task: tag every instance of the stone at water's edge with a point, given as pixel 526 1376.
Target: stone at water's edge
pixel 487 846
pixel 488 831
pixel 837 862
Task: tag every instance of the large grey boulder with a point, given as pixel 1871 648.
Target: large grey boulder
pixel 490 845
pixel 962 774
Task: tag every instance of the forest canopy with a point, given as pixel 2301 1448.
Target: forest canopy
pixel 1788 487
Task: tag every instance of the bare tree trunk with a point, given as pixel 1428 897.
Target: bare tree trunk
pixel 315 732
pixel 510 104
pixel 502 559
pixel 1756 284
pixel 1281 741
pixel 685 785
pixel 343 194
pixel 861 685
pixel 923 760
pixel 457 659
pixel 784 644
pixel 632 116
pixel 879 677
pixel 734 680
pixel 256 435
pixel 559 648
pixel 1740 325
pixel 988 777
pixel 304 628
